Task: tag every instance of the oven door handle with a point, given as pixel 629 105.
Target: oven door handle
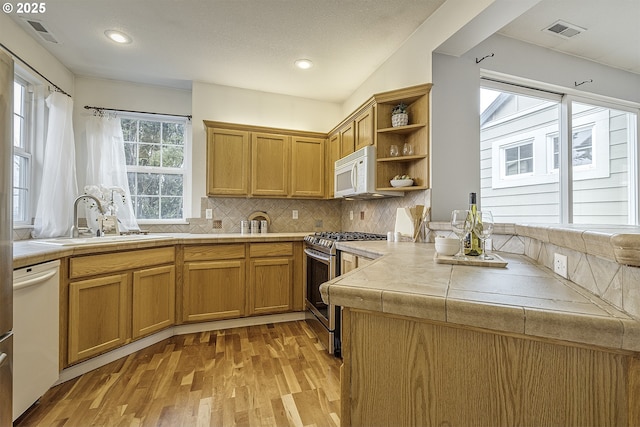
pixel 317 255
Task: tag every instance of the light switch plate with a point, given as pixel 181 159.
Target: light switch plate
pixel 208 213
pixel 294 214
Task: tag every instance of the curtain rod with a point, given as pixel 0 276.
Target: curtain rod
pixel 86 107
pixel 57 88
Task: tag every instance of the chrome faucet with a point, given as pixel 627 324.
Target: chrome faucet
pixel 74 228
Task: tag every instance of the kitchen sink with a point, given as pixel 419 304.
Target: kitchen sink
pixel 75 241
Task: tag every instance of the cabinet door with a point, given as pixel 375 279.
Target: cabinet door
pixel 271 281
pixel 307 167
pixel 333 154
pixel 269 164
pixel 364 129
pixel 213 290
pixel 98 311
pixel 227 162
pixel 153 300
pixel 347 139
pixel 348 262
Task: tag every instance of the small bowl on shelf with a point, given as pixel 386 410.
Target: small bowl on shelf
pixel 401 182
pixel 447 245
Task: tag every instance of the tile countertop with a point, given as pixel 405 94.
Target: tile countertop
pixel 522 298
pixel 30 252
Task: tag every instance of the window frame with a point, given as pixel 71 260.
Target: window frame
pixel 25 150
pixel 568 97
pixel 184 171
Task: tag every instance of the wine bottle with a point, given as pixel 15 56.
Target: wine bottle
pixel 472 243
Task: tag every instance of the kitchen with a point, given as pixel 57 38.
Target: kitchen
pixel 453 118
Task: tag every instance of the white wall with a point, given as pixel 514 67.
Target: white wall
pixel 456 109
pixel 234 105
pixel 23 45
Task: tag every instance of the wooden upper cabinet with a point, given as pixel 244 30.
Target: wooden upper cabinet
pixel 364 129
pixel 307 167
pixel 227 162
pixel 333 154
pixel 347 139
pixel 269 164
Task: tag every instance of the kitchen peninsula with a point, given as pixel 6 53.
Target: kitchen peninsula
pixel 436 344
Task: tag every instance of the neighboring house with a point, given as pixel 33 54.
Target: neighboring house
pixel 519 140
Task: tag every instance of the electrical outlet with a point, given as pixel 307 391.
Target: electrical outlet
pixel 294 214
pixel 208 213
pixel 560 265
pixel 351 215
pixel 361 214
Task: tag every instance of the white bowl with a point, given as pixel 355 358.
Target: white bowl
pixel 447 245
pixel 401 182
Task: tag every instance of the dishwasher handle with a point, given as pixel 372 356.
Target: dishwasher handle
pixel 34 281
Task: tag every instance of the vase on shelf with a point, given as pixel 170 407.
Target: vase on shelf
pixel 401 119
pixel 399 115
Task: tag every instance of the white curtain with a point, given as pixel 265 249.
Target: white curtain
pixel 54 212
pixel 107 169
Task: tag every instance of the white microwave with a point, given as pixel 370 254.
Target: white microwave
pixel 355 176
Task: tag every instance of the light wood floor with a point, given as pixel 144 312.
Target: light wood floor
pixel 268 375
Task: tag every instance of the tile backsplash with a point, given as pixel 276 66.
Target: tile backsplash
pixel 379 215
pixel 313 215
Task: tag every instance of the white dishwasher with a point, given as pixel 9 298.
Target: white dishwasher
pixel 36 295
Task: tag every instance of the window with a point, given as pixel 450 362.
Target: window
pixel 521 163
pixel 519 159
pixel 22 146
pixel 155 151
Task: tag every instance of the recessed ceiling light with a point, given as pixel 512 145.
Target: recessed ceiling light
pixel 303 64
pixel 118 36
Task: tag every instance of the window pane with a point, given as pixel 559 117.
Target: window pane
pixel 148 184
pixel 172 185
pixel 149 131
pixel 129 129
pixel 171 207
pixel 130 153
pixel 20 205
pixel 173 133
pixel 18 132
pixel 602 141
pixel 149 155
pixel 172 156
pixel 18 98
pixel 148 207
pixel 511 154
pixel 516 183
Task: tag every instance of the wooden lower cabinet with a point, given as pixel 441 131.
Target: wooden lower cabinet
pixel 116 297
pixel 154 300
pixel 270 285
pixel 404 371
pixel 98 320
pixel 349 261
pixel 213 290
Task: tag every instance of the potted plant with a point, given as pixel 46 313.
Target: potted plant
pixel 399 116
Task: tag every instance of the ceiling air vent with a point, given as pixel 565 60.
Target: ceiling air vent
pixel 41 30
pixel 564 29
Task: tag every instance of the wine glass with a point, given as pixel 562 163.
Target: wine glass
pixel 483 227
pixel 393 151
pixel 461 224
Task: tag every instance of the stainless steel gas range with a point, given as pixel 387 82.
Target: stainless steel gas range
pixel 323 264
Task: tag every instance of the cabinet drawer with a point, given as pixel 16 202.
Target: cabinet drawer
pixel 213 252
pixel 93 265
pixel 271 249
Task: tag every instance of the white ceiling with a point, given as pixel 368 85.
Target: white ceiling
pixel 612 35
pixel 253 43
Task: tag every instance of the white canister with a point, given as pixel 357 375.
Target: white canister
pixel 255 226
pixel 263 226
pixel 390 236
pixel 244 227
